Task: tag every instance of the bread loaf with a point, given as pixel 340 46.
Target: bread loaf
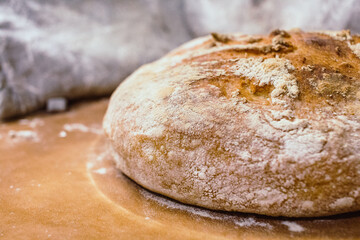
pixel 249 123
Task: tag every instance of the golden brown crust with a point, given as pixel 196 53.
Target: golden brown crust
pixel 263 124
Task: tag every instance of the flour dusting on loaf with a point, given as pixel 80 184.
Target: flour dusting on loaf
pixel 271 71
pixel 356 49
pixel 261 124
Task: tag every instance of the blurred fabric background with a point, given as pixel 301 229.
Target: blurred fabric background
pixel 75 49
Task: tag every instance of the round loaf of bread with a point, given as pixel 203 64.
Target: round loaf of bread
pixel 249 123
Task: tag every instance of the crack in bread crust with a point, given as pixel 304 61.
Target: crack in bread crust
pixel 260 124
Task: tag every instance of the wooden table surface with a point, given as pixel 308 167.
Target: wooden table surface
pixel 57 181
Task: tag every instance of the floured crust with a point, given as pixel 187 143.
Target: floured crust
pixel 260 124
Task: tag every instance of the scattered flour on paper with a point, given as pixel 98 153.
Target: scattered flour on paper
pixel 238 221
pixel 33 123
pixel 293 227
pixel 71 127
pixel 101 171
pixel 23 135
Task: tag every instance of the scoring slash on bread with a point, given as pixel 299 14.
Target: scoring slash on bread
pixel 248 123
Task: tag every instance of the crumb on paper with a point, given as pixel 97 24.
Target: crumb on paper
pixel 62 134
